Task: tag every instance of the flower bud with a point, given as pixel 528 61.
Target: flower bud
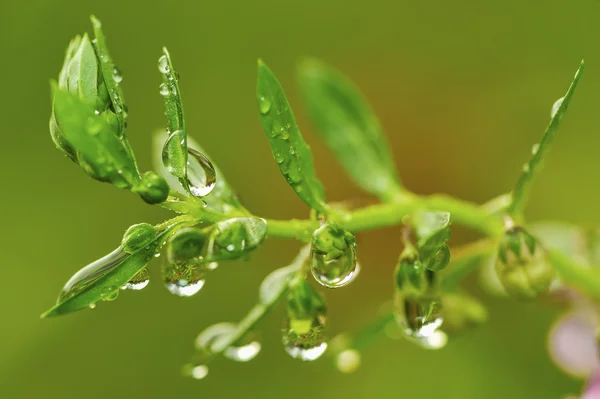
pixel 522 266
pixel 137 237
pixel 153 188
pixel 333 256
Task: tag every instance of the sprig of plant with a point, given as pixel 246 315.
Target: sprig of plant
pixel 89 123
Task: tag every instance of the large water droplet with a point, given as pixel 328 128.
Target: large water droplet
pixel 163 64
pixel 556 106
pixel 217 337
pixel 419 318
pixel 333 256
pixel 172 152
pixel 265 105
pixel 199 372
pixel 89 274
pixel 117 75
pixel 164 89
pixel 243 353
pixel 201 174
pixel 305 339
pixel 139 282
pixel 183 279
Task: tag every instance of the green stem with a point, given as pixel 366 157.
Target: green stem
pixel 392 214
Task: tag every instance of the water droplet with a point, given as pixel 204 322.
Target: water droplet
pixel 265 105
pixel 556 106
pixel 348 361
pixel 285 134
pixel 89 274
pixel 535 149
pixel 333 265
pixel 164 89
pixel 184 288
pixel 304 339
pixel 201 174
pixel 184 278
pixel 163 64
pixel 243 353
pixel 92 306
pixel 117 75
pixel 526 168
pixel 199 372
pixel 279 157
pixel 139 281
pixel 109 293
pixel 292 150
pixel 419 318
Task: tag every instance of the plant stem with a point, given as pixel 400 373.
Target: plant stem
pixel 392 214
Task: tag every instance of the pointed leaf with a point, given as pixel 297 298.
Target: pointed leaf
pixel 292 154
pixel 349 127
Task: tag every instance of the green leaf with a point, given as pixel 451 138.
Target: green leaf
pixel 538 152
pixel 101 280
pixel 290 151
pixel 349 127
pixel 82 73
pixel 110 75
pixel 102 154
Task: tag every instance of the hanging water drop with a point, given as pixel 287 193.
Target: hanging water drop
pixel 265 105
pixel 279 158
pixel 556 106
pixel 201 174
pixel 163 64
pixel 139 281
pixel 535 149
pixel 419 318
pixel 117 75
pixel 164 89
pixel 333 256
pixel 217 338
pixel 199 372
pixel 183 279
pixel 304 333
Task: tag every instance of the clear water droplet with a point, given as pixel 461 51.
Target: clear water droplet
pixel 217 338
pixel 348 361
pixel 184 288
pixel 243 353
pixel 109 293
pixel 183 278
pixel 199 372
pixel 139 281
pixel 292 150
pixel 89 274
pixel 333 266
pixel 279 157
pixel 171 153
pixel 285 134
pixel 201 174
pixel 419 318
pixel 117 75
pixel 265 105
pixel 556 106
pixel 92 306
pixel 305 339
pixel 526 168
pixel 535 149
pixel 163 64
pixel 164 90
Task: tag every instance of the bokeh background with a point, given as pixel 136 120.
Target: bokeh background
pixel 463 88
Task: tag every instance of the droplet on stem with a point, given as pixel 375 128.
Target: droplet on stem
pixel 201 174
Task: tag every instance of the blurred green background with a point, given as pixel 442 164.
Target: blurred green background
pixel 463 88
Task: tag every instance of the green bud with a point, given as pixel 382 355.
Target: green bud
pixel 137 237
pixel 410 275
pixel 237 236
pixel 433 230
pixel 439 261
pixel 153 188
pixel 522 266
pixel 188 243
pixel 333 256
pixel 304 335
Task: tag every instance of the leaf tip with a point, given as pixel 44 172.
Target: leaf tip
pixel 95 22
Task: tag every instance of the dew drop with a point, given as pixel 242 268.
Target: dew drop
pixel 305 339
pixel 183 279
pixel 164 89
pixel 163 64
pixel 348 361
pixel 333 266
pixel 199 372
pixel 535 149
pixel 556 106
pixel 184 288
pixel 117 75
pixel 418 318
pixel 109 293
pixel 201 174
pixel 279 157
pixel 138 282
pixel 526 168
pixel 243 353
pixel 285 134
pixel 92 306
pixel 292 150
pixel 265 106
